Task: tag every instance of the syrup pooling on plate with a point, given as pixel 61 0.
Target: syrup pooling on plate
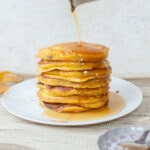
pixel 115 105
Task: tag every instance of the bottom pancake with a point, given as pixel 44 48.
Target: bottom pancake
pixel 64 108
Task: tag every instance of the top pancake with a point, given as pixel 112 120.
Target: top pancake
pixel 74 51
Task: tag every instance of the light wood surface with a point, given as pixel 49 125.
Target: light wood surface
pixel 45 137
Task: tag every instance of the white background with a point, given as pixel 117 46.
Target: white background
pixel 123 25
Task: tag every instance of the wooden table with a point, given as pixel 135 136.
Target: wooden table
pixel 45 137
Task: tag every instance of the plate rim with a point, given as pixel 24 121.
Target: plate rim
pixel 74 123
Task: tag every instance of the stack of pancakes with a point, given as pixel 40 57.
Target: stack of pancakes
pixel 74 77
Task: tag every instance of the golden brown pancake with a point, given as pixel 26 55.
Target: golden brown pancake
pixel 68 91
pixel 64 108
pixel 48 65
pixel 94 105
pixel 74 77
pixel 88 84
pixel 74 51
pixel 77 99
pixel 78 76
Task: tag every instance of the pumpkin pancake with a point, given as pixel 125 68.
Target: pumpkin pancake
pixel 78 76
pixel 73 51
pixel 95 105
pixel 88 84
pixel 74 77
pixel 68 91
pixel 46 97
pixel 48 65
pixel 64 108
pixel 74 107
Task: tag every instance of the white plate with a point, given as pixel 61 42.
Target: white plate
pixel 21 100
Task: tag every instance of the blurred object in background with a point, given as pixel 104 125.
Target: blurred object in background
pixel 8 77
pixel 3 88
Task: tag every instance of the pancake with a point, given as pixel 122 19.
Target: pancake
pixel 87 106
pixel 88 84
pixel 95 105
pixel 73 107
pixel 65 108
pixel 46 97
pixel 78 76
pixel 48 65
pixel 68 91
pixel 74 77
pixel 74 51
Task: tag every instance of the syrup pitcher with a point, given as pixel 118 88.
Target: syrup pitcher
pixel 76 3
